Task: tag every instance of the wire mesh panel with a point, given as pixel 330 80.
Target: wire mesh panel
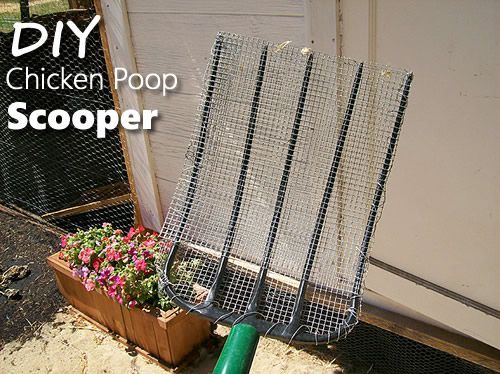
pixel 70 177
pixel 370 349
pixel 274 212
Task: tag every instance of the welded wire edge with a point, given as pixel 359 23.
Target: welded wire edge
pixel 370 226
pixel 202 138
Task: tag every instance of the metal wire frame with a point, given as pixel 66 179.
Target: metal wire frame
pixel 235 293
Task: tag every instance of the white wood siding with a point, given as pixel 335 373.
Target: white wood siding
pixel 176 36
pixel 441 219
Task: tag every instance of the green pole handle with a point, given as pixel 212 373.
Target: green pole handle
pixel 237 355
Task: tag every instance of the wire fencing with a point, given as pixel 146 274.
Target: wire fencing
pixel 69 178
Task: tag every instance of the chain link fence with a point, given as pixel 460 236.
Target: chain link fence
pixel 70 178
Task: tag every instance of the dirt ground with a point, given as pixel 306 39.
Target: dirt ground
pixel 39 333
pixel 72 345
pixel 26 244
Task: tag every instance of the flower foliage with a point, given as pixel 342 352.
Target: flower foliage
pixel 121 264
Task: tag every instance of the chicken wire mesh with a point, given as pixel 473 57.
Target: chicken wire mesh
pixel 273 214
pixel 70 178
pixel 369 349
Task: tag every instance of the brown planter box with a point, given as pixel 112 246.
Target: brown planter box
pixel 169 336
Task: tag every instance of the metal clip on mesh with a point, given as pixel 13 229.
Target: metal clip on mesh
pixel 272 218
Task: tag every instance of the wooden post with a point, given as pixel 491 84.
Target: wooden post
pixel 25 10
pixel 115 32
pixel 321 25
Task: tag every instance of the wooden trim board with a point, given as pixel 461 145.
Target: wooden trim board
pixel 88 207
pixel 123 140
pixel 433 305
pixel 321 25
pixel 458 345
pixel 136 146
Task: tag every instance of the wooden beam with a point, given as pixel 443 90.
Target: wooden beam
pixel 115 32
pixel 116 101
pixel 88 207
pixel 25 10
pixel 456 344
pixel 321 25
pixel 31 218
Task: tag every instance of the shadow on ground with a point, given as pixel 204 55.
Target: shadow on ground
pixel 26 244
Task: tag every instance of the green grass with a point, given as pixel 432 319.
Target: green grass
pixel 10 11
pixel 48 6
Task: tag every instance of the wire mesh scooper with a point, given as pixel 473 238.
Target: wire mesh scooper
pixel 270 225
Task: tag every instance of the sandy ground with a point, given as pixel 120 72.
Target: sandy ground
pixel 69 344
pixel 40 334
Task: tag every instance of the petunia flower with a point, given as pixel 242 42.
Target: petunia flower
pixel 96 264
pixel 85 255
pixel 113 255
pixel 64 240
pixel 149 243
pixel 140 265
pixel 131 233
pixel 89 284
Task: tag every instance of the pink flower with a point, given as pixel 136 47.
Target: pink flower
pixel 82 272
pixel 131 233
pixel 149 243
pixel 85 255
pixel 107 271
pixel 89 284
pixel 113 255
pixel 112 292
pixel 106 224
pixel 117 281
pixel 64 240
pixel 103 277
pixel 97 263
pixel 141 265
pixel 132 303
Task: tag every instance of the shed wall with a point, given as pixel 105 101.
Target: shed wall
pixel 442 216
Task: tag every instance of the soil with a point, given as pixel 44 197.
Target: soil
pixel 23 243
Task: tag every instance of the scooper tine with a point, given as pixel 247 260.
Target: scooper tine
pixel 370 226
pixel 320 220
pixel 228 242
pixel 261 277
pixel 200 149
